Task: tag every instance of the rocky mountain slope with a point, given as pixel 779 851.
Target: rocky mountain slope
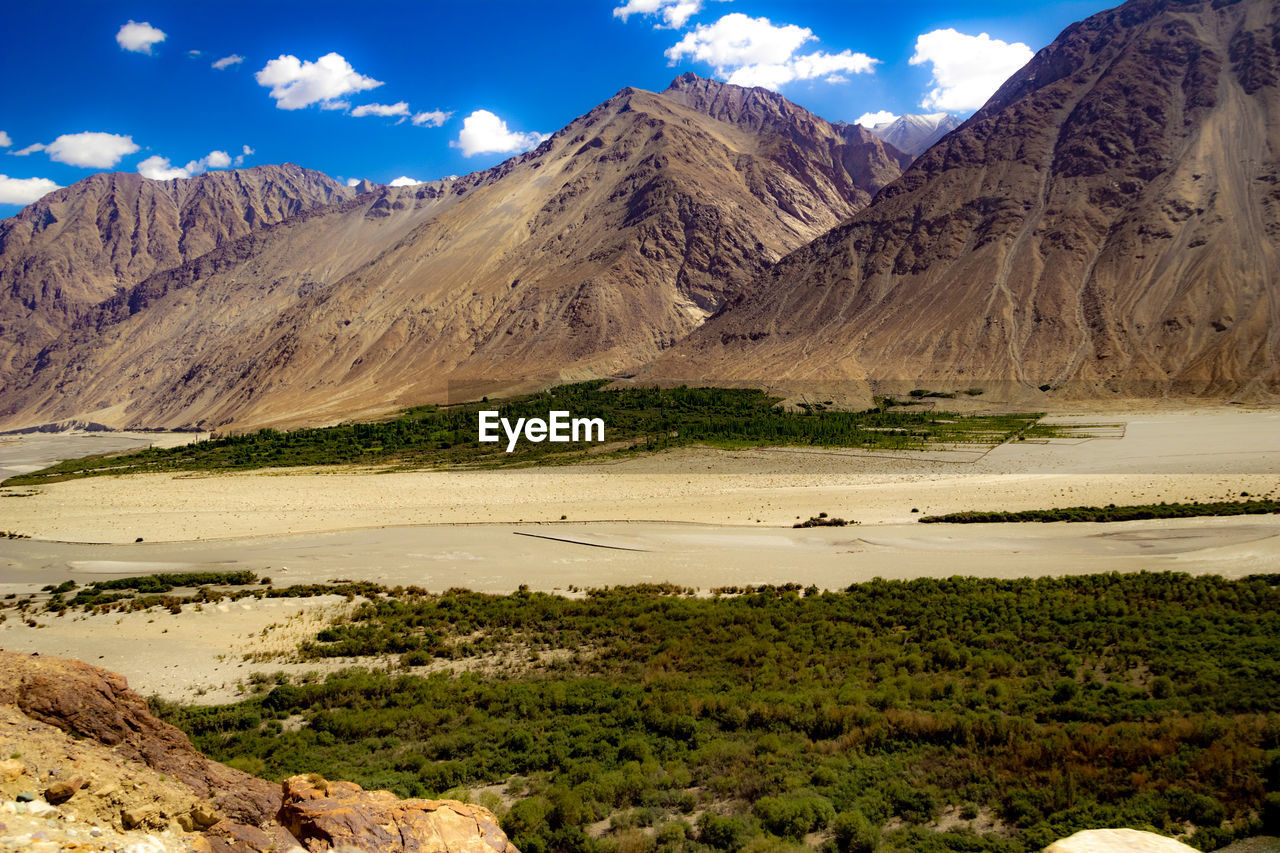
pixel 588 256
pixel 82 244
pixel 916 134
pixel 1109 223
pixel 99 772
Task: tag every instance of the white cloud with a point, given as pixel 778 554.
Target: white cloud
pixel 675 13
pixel 737 40
pixel 404 181
pixel 159 168
pixel 24 190
pixel 139 37
pixel 30 149
pixel 353 182
pixel 485 133
pixel 227 61
pixel 89 150
pixel 434 118
pixel 967 70
pixel 193 53
pixel 397 109
pixel 244 152
pixel 5 141
pixel 749 51
pixel 870 120
pixel 296 84
pixel 808 67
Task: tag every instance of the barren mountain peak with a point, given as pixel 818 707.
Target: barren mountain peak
pixel 587 256
pixel 1106 223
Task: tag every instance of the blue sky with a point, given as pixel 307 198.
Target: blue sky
pixel 385 90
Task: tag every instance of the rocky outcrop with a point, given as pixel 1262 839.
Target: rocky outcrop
pixel 93 703
pixel 1117 841
pixel 102 759
pixel 326 815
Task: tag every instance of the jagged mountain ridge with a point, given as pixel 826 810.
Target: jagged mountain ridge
pixel 79 245
pixel 587 256
pixel 916 134
pixel 1107 223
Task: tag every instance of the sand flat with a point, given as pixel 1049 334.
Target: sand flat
pixel 696 518
pixel 1190 455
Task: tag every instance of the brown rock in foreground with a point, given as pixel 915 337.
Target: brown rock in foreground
pixel 113 728
pixel 76 697
pixel 325 815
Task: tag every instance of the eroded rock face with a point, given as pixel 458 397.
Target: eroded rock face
pixel 326 815
pixel 130 773
pixel 93 703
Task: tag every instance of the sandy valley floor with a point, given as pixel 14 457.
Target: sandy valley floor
pixel 696 518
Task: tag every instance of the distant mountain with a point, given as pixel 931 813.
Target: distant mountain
pixel 1109 223
pixel 588 256
pixel 916 134
pixel 75 247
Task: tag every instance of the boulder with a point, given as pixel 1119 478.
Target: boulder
pixel 1117 841
pixel 61 791
pixel 326 815
pixel 98 704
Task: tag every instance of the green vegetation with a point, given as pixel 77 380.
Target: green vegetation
pixel 146 591
pixel 1111 512
pixel 822 520
pixel 636 420
pixel 749 721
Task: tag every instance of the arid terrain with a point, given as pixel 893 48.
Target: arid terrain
pixel 698 518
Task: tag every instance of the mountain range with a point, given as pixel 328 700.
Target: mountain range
pixel 916 134
pixel 1105 225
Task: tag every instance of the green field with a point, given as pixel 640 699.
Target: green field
pixel 637 420
pixel 930 715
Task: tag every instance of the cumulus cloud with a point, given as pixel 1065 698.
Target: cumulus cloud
pixel 750 51
pixel 24 190
pixel 296 84
pixel 397 109
pixel 244 152
pixel 870 120
pixel 404 181
pixel 433 118
pixel 159 168
pixel 485 133
pixel 139 37
pixel 227 61
pixel 5 141
pixel 353 182
pixel 89 150
pixel 966 69
pixel 674 14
